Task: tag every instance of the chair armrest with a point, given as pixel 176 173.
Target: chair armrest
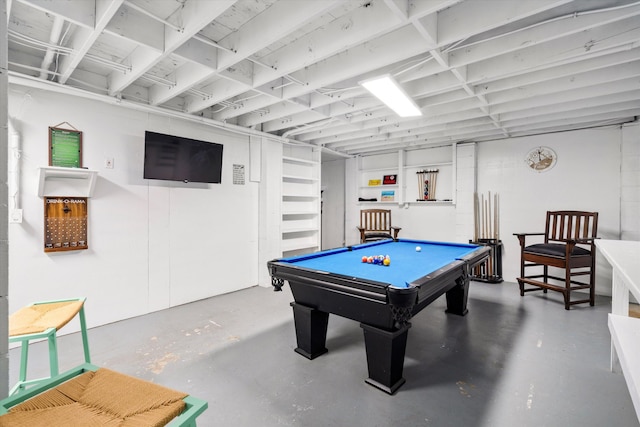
pixel 522 237
pixel 395 230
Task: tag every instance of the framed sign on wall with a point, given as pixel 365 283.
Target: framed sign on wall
pixel 65 147
pixel 65 224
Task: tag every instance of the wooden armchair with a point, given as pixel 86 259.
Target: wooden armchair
pixel 568 244
pixel 375 224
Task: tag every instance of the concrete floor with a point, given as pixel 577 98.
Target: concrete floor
pixel 510 361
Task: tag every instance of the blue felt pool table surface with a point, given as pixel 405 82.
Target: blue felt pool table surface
pixel 407 264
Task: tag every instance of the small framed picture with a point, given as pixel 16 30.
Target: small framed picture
pixel 389 179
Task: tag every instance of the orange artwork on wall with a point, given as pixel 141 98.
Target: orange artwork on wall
pixel 65 223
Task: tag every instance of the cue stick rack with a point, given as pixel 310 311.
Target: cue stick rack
pixel 427 181
pixel 486 232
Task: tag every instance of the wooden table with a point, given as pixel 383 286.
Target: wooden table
pixel 624 257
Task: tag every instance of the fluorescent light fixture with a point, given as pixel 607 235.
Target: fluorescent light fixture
pixel 387 90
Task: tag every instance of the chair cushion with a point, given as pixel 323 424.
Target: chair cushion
pixel 377 235
pixel 555 250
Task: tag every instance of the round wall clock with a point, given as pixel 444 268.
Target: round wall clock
pixel 541 159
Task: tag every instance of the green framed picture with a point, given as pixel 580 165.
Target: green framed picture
pixel 65 147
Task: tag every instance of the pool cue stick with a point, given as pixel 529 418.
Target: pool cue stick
pixel 498 234
pixel 489 217
pixel 495 216
pixel 475 217
pixel 420 190
pixel 491 229
pixel 435 182
pixel 490 259
pixel 480 210
pixel 432 183
pixel 484 217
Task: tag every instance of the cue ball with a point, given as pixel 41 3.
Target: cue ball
pixel 418 248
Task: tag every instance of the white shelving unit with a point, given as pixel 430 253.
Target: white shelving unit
pixel 300 225
pixel 71 182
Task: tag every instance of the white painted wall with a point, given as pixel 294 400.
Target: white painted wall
pixel 585 177
pixel 152 244
pixel 597 170
pixel 5 130
pixel 630 177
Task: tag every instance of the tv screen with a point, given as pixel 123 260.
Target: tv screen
pixel 175 158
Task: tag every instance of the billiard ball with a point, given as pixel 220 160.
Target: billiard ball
pixel 418 248
pixel 370 260
pixel 364 258
pixel 386 261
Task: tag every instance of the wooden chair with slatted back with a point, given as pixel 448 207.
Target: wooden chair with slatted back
pixel 568 244
pixel 375 224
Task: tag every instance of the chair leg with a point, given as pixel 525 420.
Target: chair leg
pixel 592 284
pixel 24 356
pixel 53 354
pixel 567 291
pixel 85 339
pixel 545 272
pixel 521 270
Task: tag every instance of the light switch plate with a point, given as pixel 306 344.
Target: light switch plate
pixel 16 216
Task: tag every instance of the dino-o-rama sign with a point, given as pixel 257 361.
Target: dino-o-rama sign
pixel 65 223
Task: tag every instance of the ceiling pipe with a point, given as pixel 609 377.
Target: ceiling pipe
pixel 54 37
pixel 13 169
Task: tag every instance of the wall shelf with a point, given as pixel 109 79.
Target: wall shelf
pixel 289 159
pixel 61 181
pixel 406 188
pixel 298 178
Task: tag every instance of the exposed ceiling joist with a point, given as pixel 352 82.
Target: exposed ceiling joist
pixel 478 69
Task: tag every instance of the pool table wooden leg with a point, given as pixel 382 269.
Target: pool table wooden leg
pixel 385 356
pixel 457 297
pixel 311 330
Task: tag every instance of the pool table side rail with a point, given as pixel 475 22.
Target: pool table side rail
pixel 368 289
pixel 303 257
pixel 476 257
pixel 435 284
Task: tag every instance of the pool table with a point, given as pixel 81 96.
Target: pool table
pixel 382 298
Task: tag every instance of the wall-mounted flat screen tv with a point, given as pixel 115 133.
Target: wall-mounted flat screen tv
pixel 175 158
